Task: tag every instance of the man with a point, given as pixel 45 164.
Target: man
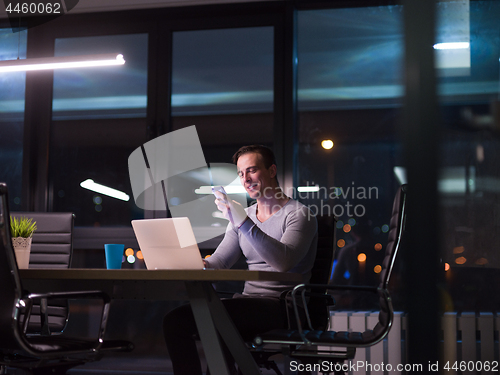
pixel 276 234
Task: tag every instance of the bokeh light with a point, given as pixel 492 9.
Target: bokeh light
pixel 139 254
pixel 377 268
pixel 482 261
pixel 347 228
pixel 129 251
pixel 362 257
pixel 446 266
pixel 458 250
pixel 131 259
pixel 341 243
pixel 460 260
pixel 378 247
pixel 327 144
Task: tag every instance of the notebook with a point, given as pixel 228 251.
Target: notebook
pixel 168 244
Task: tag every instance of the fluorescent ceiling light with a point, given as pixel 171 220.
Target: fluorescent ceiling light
pixel 230 189
pixel 456 45
pixel 308 189
pixel 98 188
pixel 63 62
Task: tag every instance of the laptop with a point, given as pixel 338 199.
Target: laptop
pixel 168 244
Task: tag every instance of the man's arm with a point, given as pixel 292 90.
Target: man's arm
pixel 286 253
pixel 227 253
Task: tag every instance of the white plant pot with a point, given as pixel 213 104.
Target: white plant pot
pixel 22 248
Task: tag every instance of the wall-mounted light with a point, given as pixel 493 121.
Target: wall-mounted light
pixel 105 190
pixel 62 62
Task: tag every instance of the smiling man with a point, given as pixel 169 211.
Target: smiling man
pixel 275 234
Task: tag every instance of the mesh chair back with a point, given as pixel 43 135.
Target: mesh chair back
pixel 396 229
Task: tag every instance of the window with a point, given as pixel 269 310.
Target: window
pixel 102 92
pixel 12 116
pixel 98 120
pixel 222 82
pixel 469 176
pixel 350 93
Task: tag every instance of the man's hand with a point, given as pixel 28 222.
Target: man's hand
pixel 232 210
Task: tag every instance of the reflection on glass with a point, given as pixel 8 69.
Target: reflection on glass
pixel 102 92
pixel 350 57
pixel 12 84
pixel 469 176
pixel 223 71
pixel 350 91
pixel 223 82
pixel 98 120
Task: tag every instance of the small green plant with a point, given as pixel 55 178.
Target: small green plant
pixel 22 227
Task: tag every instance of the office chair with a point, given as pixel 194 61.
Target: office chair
pixel 313 345
pixel 51 247
pixel 319 301
pixel 40 354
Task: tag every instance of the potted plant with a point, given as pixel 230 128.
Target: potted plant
pixel 21 230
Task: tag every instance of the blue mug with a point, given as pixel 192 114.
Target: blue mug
pixel 114 256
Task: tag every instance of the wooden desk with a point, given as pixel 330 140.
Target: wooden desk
pixel 193 285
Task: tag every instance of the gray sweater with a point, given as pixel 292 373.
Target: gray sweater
pixel 286 242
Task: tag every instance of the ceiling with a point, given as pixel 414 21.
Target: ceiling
pixel 90 6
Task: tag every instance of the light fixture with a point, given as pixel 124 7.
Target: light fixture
pixel 308 189
pixel 105 190
pixel 454 45
pixel 61 62
pixel 230 189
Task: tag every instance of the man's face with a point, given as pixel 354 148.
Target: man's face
pixel 254 175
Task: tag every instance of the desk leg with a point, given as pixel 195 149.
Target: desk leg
pixel 212 305
pixel 199 300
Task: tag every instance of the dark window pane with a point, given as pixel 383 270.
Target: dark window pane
pixel 13 46
pixel 350 58
pixel 223 82
pixel 97 124
pixel 102 92
pixel 469 177
pixel 96 150
pixel 349 92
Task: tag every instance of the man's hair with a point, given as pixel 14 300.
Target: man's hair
pixel 266 153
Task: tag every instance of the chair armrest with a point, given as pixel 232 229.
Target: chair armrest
pixel 303 288
pixel 44 297
pixel 286 295
pixel 86 294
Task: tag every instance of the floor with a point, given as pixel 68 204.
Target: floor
pixel 143 366
pixel 123 365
